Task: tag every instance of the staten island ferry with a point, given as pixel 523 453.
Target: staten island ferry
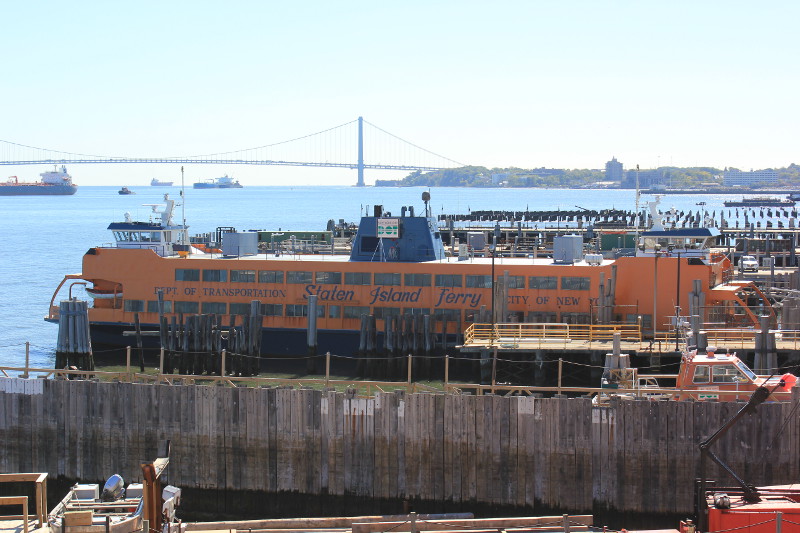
pixel 398 265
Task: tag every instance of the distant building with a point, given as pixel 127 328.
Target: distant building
pixel 648 179
pixel 732 178
pixel 614 170
pixel 542 172
pixel 499 178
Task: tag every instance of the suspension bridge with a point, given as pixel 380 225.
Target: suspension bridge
pixel 341 146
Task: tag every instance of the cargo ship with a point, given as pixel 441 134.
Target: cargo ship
pixel 398 265
pixel 55 182
pixel 158 183
pixel 760 201
pixel 224 182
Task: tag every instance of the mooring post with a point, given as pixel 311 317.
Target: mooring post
pixel 327 368
pixel 222 363
pixel 409 372
pixel 560 366
pixel 413 519
pixel 565 523
pixel 128 362
pixel 161 361
pixel 27 358
pixel 446 371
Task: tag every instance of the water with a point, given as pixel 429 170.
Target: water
pixel 46 237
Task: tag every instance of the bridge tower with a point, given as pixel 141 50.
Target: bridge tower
pixel 360 152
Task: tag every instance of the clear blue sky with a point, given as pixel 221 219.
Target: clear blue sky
pixel 565 84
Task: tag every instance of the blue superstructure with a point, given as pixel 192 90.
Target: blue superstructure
pixel 407 238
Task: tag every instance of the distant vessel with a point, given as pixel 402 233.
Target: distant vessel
pixel 158 183
pixel 125 190
pixel 55 182
pixel 218 183
pixel 759 201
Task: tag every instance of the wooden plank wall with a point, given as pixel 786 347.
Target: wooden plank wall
pixel 633 456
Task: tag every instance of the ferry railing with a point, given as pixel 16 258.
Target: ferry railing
pixel 538 335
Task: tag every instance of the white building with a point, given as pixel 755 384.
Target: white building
pixel 732 178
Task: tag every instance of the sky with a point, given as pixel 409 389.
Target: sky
pixel 557 84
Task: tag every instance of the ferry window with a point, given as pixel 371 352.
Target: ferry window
pixel 187 274
pixel 155 236
pixel 569 283
pixel 152 306
pixel 369 245
pixel 217 308
pixel 270 276
pixel 471 315
pixel 215 275
pixel 701 374
pixel 576 318
pixel 296 310
pixel 134 306
pixel 243 276
pixel 357 278
pixel 187 307
pixel 299 277
pixel 272 309
pixel 449 314
pixel 479 282
pixel 448 280
pixel 240 309
pixel 334 311
pixel 417 280
pixel 334 278
pixel 543 282
pixel 387 278
pixel 383 312
pixel 516 282
pixel 541 317
pixel 726 374
pixel 416 311
pixel 355 311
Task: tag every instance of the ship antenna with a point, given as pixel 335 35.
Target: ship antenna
pixel 636 238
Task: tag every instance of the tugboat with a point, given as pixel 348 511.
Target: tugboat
pixel 125 190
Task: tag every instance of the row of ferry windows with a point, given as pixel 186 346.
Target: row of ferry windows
pixel 299 277
pixel 347 311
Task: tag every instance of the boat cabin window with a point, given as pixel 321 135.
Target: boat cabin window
pixel 187 307
pixel 726 374
pixel 334 311
pixel 299 277
pixel 215 275
pixel 243 276
pixel 479 282
pixel 416 311
pixel 133 306
pixel 576 318
pixel 272 309
pixel 187 274
pixel 387 278
pixel 369 245
pixel 746 371
pixel 701 374
pixel 570 283
pixel 333 278
pixel 302 310
pixel 357 278
pixel 152 306
pixel 543 282
pixel 417 280
pixel 355 311
pixel 448 280
pixel 270 276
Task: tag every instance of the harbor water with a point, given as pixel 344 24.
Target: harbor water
pixel 46 236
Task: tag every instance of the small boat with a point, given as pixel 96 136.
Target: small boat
pixel 125 190
pixel 760 201
pixel 119 509
pixel 224 182
pixel 99 294
pixel 158 183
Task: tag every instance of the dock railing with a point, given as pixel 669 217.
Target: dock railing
pixel 539 335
